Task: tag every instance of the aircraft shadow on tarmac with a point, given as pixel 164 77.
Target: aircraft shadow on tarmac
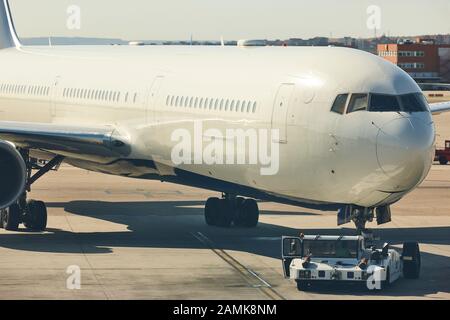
pixel 173 224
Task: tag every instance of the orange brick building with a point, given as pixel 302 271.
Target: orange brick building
pixel 425 62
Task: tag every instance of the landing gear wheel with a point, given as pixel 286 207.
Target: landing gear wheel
pixel 11 218
pixel 36 218
pixel 411 260
pixel 212 208
pixel 238 202
pixel 443 160
pixel 225 214
pixel 248 214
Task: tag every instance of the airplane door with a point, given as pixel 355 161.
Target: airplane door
pixel 153 98
pixel 280 110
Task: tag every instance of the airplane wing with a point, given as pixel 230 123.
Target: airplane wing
pixel 437 108
pixel 79 142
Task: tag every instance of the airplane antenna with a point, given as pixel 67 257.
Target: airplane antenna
pixel 222 42
pixel 50 41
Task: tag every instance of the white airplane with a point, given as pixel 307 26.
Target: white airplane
pixel 351 132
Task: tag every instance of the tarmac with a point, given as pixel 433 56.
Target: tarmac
pixel 136 239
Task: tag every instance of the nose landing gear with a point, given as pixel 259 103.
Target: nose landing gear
pixel 231 210
pixel 360 216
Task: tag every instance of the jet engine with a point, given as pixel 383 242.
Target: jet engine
pixel 13 174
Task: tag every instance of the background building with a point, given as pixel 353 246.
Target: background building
pixel 423 59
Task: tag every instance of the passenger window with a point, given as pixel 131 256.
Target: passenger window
pixel 358 102
pixel 340 103
pixel 384 103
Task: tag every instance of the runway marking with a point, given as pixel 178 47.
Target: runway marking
pixel 74 235
pixel 248 274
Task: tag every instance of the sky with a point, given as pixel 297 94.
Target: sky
pixel 230 19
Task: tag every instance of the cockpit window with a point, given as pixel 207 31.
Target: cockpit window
pixel 414 102
pixel 358 102
pixel 340 103
pixel 384 103
pixel 375 102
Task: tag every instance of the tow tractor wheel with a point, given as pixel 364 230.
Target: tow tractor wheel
pixel 302 285
pixel 248 214
pixel 10 218
pixel 385 283
pixel 36 218
pixel 411 260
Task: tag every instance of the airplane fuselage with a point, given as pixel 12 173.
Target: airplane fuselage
pixel 148 94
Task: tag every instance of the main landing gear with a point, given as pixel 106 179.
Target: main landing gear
pixel 231 210
pixel 32 213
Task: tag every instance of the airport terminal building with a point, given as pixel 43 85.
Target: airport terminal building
pixel 423 59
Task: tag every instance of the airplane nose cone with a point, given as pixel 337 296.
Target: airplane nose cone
pixel 405 151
